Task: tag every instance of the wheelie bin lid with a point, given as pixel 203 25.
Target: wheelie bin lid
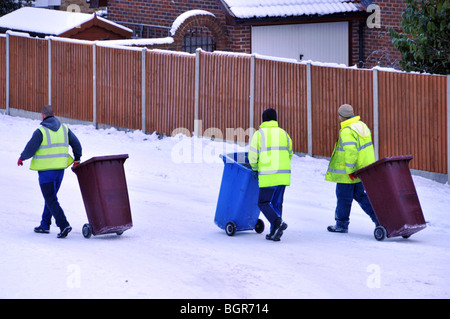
pixel 239 158
pixel 101 158
pixel 383 161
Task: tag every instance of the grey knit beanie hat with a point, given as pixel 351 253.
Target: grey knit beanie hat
pixel 346 111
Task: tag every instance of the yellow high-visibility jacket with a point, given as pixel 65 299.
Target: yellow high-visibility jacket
pixel 270 154
pixel 353 151
pixel 54 150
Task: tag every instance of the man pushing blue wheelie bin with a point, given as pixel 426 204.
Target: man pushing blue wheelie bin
pixel 256 181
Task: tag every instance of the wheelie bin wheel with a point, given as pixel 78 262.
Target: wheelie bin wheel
pixel 119 233
pixel 87 230
pixel 380 233
pixel 230 228
pixel 259 227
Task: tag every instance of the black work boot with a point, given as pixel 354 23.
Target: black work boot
pixel 64 232
pixel 279 227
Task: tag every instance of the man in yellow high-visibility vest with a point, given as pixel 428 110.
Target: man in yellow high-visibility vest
pixel 270 155
pixel 49 150
pixel 353 151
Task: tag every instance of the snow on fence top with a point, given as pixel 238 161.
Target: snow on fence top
pixel 284 8
pixel 138 42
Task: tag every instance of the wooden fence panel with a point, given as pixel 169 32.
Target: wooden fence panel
pixel 119 87
pixel 28 73
pixel 282 86
pixel 412 117
pixel 2 72
pixel 170 92
pixel 332 87
pixel 225 95
pixel 412 108
pixel 72 80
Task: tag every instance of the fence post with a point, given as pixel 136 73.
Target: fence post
pixel 197 124
pixel 94 85
pixel 144 72
pixel 376 140
pixel 7 73
pixel 448 129
pixel 49 71
pixel 252 96
pixel 309 108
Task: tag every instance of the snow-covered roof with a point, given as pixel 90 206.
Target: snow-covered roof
pixel 284 8
pixel 47 21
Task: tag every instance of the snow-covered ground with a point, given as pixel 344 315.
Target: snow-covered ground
pixel 175 250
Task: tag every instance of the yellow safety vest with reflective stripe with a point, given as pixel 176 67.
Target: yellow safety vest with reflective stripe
pixel 54 150
pixel 270 154
pixel 353 151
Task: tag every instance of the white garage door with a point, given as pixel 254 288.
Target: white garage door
pixel 322 42
pixel 47 3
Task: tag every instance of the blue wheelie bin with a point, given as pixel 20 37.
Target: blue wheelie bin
pixel 237 206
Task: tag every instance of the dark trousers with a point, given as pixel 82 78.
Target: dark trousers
pixel 345 194
pixel 270 202
pixel 50 181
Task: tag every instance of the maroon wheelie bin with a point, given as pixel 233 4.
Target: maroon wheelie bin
pixel 391 191
pixel 105 195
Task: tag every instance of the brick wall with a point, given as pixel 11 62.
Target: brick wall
pixel 240 38
pixel 162 12
pixel 378 48
pixel 354 38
